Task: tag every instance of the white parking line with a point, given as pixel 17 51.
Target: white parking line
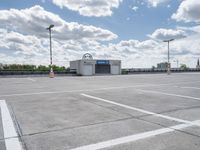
pixel 170 94
pixel 82 90
pixel 132 138
pixel 140 110
pixel 31 79
pixel 90 90
pixel 13 144
pixel 10 134
pixel 8 126
pixel 98 89
pixel 186 87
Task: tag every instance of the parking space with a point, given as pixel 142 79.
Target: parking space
pixel 102 112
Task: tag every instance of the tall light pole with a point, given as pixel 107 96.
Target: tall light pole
pixel 51 74
pixel 168 58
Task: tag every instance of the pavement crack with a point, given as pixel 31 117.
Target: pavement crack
pixel 76 127
pixel 173 110
pixel 17 127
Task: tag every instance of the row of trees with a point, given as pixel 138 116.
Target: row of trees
pixel 23 67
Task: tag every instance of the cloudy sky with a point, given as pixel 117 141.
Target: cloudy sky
pixel 130 30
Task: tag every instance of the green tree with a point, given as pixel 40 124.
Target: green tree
pixel 43 68
pixel 26 67
pixel 183 67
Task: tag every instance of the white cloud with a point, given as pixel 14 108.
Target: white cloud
pixel 155 3
pixel 95 8
pixel 191 30
pixel 30 49
pixel 24 39
pixel 188 11
pixel 34 21
pixel 165 34
pixel 189 45
pixel 22 44
pixel 137 45
pixel 135 8
pixel 133 53
pixel 128 18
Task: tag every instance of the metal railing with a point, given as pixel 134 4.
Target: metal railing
pixel 67 72
pixel 155 70
pixel 33 72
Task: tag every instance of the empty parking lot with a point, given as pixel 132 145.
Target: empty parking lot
pixel 151 112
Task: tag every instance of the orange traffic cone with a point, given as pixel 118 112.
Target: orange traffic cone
pixel 51 74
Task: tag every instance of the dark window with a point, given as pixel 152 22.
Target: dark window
pixel 102 68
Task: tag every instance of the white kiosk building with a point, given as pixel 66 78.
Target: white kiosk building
pixel 88 66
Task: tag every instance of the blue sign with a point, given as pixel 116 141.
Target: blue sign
pixel 102 62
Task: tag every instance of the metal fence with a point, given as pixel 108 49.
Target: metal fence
pixel 67 72
pixel 33 72
pixel 155 70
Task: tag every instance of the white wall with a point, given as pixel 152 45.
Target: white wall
pixel 115 69
pixel 87 67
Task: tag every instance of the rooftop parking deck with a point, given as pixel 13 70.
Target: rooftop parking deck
pixel 140 112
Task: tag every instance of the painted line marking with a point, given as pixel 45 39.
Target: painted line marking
pixel 8 126
pixel 195 73
pixel 140 110
pixel 89 90
pixel 71 91
pixel 196 88
pixel 169 94
pixel 13 144
pixel 31 79
pixel 132 138
pixel 10 134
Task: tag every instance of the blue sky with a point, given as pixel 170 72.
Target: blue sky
pixel 130 30
pixel 141 23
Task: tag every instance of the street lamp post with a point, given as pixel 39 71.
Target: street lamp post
pixel 168 58
pixel 51 74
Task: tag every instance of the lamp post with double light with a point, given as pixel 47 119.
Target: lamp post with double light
pixel 51 74
pixel 168 58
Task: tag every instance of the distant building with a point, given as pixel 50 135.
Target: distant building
pixel 162 65
pixel 198 64
pixel 88 66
